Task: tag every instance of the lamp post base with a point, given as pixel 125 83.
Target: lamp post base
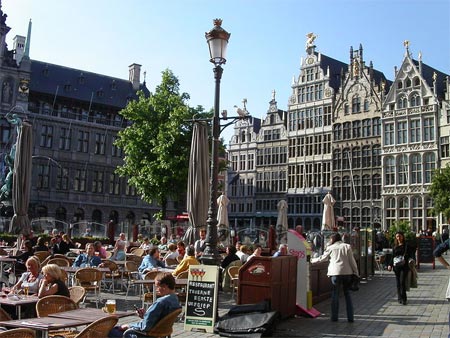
pixel 211 259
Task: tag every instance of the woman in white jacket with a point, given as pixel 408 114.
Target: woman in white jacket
pixel 340 270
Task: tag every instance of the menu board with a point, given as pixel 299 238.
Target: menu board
pixel 201 302
pixel 425 248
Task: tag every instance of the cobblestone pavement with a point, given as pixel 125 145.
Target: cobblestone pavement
pixel 377 312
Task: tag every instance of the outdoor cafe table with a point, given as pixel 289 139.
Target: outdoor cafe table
pixel 17 301
pixel 90 314
pixel 142 282
pixel 44 324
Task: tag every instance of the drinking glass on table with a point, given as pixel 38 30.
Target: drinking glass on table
pixel 111 306
pixel 25 290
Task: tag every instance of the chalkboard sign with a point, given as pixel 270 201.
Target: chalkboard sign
pixel 201 301
pixel 425 250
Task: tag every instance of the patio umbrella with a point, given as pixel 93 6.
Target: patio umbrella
pixel 198 182
pixel 328 221
pixel 282 222
pixel 222 217
pixel 21 186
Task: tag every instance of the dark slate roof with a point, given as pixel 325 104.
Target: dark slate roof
pixel 427 74
pixel 335 69
pixel 81 85
pixel 256 124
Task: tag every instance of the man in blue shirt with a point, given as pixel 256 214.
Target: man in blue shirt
pixel 165 304
pixel 150 262
pixel 87 259
pixel 282 251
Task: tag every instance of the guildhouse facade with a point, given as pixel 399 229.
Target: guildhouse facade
pixel 356 165
pixel 411 135
pixel 373 143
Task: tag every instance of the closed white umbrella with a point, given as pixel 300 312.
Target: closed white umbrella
pixel 282 222
pixel 328 221
pixel 222 218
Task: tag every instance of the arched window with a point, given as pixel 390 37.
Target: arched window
pixel 402 166
pixel 356 157
pixel 97 216
pixel 401 102
pixel 61 214
pixel 41 211
pixel 376 126
pixel 399 84
pixel 408 82
pixel 357 189
pixel 346 158
pixel 366 158
pixel 366 105
pixel 366 187
pixel 347 130
pixel 417 213
pixel 366 128
pixel 337 159
pixel 356 217
pixel 356 104
pixel 416 81
pixel 376 187
pixel 414 100
pixel 346 188
pixel 376 155
pixel 337 188
pixel 390 211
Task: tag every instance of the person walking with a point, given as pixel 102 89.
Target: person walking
pixel 401 254
pixel 340 270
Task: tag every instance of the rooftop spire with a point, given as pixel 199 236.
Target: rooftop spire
pixel 26 53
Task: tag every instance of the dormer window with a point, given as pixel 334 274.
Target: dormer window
pixel 399 84
pixel 81 78
pixel 416 81
pixel 67 87
pixel 401 102
pixel 113 85
pixel 415 100
pixel 100 93
pixel 45 71
pixel 408 83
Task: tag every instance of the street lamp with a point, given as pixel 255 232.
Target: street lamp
pixel 217 39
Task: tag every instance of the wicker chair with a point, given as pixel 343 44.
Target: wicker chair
pixel 138 252
pixel 233 273
pixel 136 259
pixel 148 296
pixel 113 274
pixel 90 279
pixel 164 327
pixel 54 304
pixel 183 275
pixel 109 254
pixel 18 333
pixel 130 273
pixel 77 293
pixel 59 261
pixel 171 262
pixel 45 261
pixel 99 328
pixel 4 316
pixel 42 255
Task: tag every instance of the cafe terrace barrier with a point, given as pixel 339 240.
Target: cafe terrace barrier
pixel 273 279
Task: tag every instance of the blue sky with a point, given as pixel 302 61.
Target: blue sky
pixel 266 44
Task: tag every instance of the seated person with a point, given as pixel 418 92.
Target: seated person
pixel 145 244
pixel 119 248
pixel 282 251
pixel 165 304
pixel 52 283
pixel 88 258
pixel 19 264
pixel 181 249
pixel 243 253
pixel 163 244
pixel 150 262
pixel 31 278
pixel 257 250
pixel 98 247
pixel 40 245
pixel 171 255
pixel 186 262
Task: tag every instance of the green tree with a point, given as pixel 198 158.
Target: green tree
pixel 404 227
pixel 440 192
pixel 156 144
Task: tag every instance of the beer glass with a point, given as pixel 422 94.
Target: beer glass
pixel 111 306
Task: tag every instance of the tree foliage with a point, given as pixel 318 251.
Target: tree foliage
pixel 156 144
pixel 440 191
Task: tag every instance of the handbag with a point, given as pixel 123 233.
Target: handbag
pixel 399 261
pixel 354 283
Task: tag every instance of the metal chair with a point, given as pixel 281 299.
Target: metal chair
pixel 18 333
pixel 99 328
pixel 164 327
pixel 90 279
pixel 379 262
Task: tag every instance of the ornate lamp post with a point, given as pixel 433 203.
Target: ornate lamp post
pixel 217 39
